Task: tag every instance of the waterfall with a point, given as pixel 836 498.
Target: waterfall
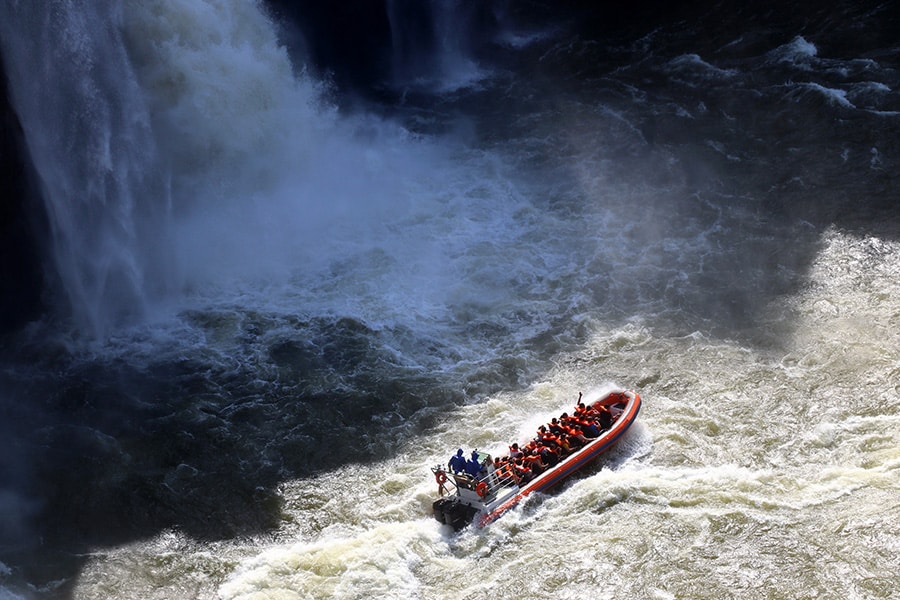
pixel 172 143
pixel 180 152
pixel 433 42
pixel 87 129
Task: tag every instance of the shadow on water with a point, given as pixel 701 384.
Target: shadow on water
pixel 97 453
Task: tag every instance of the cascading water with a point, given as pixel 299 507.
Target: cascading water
pixel 433 43
pixel 184 154
pixel 88 131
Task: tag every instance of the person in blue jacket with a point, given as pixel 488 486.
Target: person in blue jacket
pixel 473 467
pixel 457 462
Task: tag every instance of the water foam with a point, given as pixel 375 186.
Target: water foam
pixel 383 560
pixel 798 53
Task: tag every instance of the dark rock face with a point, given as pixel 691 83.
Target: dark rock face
pixel 349 39
pixel 21 222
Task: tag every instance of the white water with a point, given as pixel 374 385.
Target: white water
pixel 755 470
pixel 751 473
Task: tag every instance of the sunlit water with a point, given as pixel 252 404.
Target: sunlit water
pixel 344 300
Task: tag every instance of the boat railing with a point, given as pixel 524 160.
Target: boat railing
pixel 500 487
pixel 447 483
pixel 488 485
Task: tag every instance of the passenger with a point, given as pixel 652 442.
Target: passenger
pixel 457 462
pixel 533 461
pixel 587 426
pixel 604 418
pixel 549 455
pixel 505 473
pixel 588 412
pixel 473 467
pixel 555 426
pixel 515 451
pixel 580 408
pixel 523 473
pixel 570 427
pixel 565 446
pixel 548 438
pixel 590 430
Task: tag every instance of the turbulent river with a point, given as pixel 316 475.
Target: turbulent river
pixel 274 302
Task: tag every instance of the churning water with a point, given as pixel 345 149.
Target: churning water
pixel 275 315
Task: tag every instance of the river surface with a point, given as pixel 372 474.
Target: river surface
pixel 277 303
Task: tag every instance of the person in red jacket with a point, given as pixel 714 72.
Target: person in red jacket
pixel 522 472
pixel 533 461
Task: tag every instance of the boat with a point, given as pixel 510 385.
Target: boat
pixel 481 497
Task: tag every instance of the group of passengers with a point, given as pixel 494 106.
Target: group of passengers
pixel 553 442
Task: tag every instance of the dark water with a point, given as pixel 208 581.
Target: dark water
pixel 286 259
